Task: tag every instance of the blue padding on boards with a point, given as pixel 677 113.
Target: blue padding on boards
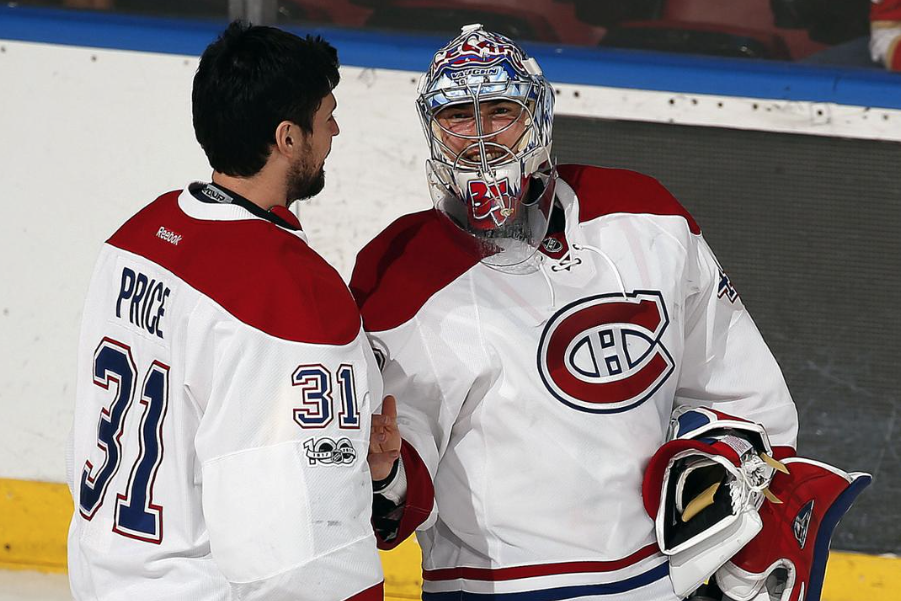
pixel 107 30
pixel 562 64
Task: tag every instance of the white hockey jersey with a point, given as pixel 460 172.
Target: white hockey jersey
pixel 222 414
pixel 535 400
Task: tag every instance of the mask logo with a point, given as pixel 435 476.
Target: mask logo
pixel 490 200
pixel 481 48
pixel 604 354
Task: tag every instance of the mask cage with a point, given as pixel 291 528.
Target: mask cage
pixel 501 195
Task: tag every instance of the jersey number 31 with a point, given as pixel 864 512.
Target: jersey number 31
pixel 136 516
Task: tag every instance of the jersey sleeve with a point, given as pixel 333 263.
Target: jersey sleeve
pixel 430 356
pixel 727 365
pixel 423 370
pixel 282 446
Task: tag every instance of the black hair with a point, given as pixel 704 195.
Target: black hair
pixel 251 79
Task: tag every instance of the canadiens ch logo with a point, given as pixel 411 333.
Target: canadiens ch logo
pixel 604 354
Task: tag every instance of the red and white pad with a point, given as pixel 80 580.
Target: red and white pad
pixel 787 560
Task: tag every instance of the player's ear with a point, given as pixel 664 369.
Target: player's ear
pixel 287 138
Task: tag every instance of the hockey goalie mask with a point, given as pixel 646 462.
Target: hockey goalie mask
pixel 487 112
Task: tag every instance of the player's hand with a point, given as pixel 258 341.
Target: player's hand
pixel 384 440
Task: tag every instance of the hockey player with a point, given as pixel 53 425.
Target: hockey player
pixel 541 325
pixel 223 398
pixel 885 33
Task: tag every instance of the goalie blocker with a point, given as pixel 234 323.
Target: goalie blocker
pixel 723 504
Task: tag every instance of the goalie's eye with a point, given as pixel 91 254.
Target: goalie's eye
pixel 505 107
pixel 456 115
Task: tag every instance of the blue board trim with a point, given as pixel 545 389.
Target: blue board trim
pixel 562 64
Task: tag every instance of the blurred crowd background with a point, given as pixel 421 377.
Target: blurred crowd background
pixel 843 33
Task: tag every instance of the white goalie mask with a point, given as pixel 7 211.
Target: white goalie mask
pixel 487 113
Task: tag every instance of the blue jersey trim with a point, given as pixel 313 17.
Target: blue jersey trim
pixel 562 64
pixel 557 594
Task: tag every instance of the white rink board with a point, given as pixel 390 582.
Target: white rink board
pixel 89 136
pixel 708 110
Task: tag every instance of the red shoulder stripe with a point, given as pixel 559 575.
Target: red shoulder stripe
pixel 603 191
pixel 405 265
pixel 264 276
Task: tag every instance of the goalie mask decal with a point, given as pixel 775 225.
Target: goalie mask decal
pixel 490 201
pixel 487 49
pixel 604 354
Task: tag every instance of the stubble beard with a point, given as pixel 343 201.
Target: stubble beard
pixel 304 181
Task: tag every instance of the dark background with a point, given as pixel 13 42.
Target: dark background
pixel 809 230
pixel 833 32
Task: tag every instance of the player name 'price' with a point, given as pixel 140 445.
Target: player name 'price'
pixel 144 301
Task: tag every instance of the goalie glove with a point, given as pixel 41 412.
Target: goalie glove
pixel 787 560
pixel 703 489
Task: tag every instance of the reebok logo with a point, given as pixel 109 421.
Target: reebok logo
pixel 169 236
